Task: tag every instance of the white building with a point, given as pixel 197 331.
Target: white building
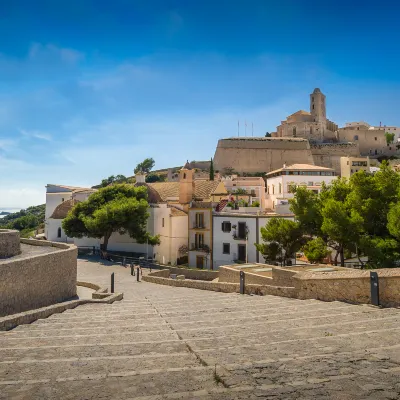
pixel 281 181
pixel 59 200
pixel 235 234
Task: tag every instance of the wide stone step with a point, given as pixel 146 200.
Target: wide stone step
pixel 119 385
pixel 101 348
pixel 77 367
pixel 309 347
pixel 301 335
pixel 291 326
pixel 43 330
pixel 12 341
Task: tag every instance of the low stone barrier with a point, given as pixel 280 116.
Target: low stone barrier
pixel 192 273
pixel 348 285
pixel 27 317
pixel 351 286
pixel 9 243
pixel 221 286
pixel 37 279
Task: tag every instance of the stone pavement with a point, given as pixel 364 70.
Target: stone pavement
pixel 176 343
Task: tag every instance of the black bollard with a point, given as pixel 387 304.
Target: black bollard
pixel 112 282
pixel 132 270
pixel 94 250
pixel 241 282
pixel 137 274
pixel 374 288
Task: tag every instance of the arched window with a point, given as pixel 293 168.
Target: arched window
pixel 313 107
pixel 355 137
pixel 59 232
pixel 294 131
pixel 184 175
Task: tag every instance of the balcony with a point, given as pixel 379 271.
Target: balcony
pixel 198 226
pixel 200 247
pixel 238 237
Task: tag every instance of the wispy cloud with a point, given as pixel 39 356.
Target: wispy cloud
pixel 69 56
pixel 36 134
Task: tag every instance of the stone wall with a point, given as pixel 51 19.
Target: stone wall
pixel 222 286
pixel 37 280
pixel 232 275
pixel 196 274
pixel 328 154
pixel 351 286
pixel 9 243
pixel 261 154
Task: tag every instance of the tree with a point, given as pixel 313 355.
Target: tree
pixel 315 250
pixel 267 134
pixel 306 206
pixel 281 237
pixel 211 170
pixel 118 208
pixel 113 179
pixel 154 178
pixel 389 138
pixel 341 226
pixel 145 166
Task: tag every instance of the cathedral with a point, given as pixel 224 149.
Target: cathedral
pixel 311 125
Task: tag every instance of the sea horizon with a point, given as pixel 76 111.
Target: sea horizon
pixel 9 209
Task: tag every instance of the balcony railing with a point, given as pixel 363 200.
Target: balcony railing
pixel 238 237
pixel 200 247
pixel 199 226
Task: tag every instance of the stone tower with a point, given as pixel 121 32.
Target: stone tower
pixel 186 184
pixel 318 105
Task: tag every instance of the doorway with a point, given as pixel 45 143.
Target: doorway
pixel 242 252
pixel 200 262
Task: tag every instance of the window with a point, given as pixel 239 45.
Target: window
pixel 312 98
pixel 163 222
pixel 358 128
pixel 280 188
pixel 310 184
pixel 273 189
pixel 226 248
pixel 59 232
pixel 268 189
pixel 351 171
pixel 242 230
pixel 313 107
pixel 355 137
pixel 347 163
pixel 199 240
pixel 376 138
pixel 294 131
pixel 184 175
pixel 62 200
pixel 226 226
pixel 199 220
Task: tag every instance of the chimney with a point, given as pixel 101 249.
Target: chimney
pixel 284 165
pixel 140 177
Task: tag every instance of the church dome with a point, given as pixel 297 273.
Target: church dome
pixel 317 90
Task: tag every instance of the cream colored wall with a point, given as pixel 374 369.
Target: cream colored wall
pixel 261 154
pixel 371 142
pixel 347 168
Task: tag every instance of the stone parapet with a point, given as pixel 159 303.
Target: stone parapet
pixel 38 279
pixel 9 243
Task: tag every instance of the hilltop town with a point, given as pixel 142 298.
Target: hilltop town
pixel 211 214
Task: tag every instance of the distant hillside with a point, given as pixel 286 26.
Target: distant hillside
pixel 26 221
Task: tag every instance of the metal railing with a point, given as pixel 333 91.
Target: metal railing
pixel 118 258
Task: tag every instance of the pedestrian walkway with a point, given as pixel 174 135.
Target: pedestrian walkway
pixel 164 342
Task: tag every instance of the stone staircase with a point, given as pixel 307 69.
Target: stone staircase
pixel 177 343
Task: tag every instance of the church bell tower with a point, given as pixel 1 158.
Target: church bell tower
pixel 318 105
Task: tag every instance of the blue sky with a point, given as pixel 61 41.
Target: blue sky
pixel 90 88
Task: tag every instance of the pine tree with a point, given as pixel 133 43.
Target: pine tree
pixel 211 170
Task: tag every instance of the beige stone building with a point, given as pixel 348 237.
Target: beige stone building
pixel 351 165
pixel 311 125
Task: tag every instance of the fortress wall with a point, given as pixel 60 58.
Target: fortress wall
pixel 261 154
pixel 328 154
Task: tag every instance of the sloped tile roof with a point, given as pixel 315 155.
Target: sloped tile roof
pixel 203 189
pixel 165 189
pixel 176 212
